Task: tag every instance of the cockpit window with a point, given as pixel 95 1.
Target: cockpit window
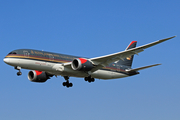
pixel 12 53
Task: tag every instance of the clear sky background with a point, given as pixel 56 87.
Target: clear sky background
pixel 92 28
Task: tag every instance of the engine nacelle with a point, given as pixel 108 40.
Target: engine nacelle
pixel 81 64
pixel 38 76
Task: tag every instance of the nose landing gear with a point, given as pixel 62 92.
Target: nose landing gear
pixel 18 68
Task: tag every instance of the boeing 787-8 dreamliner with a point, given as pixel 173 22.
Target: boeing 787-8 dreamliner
pixel 44 65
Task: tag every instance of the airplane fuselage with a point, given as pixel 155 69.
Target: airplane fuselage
pixel 53 63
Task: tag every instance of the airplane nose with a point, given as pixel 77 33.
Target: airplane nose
pixel 6 60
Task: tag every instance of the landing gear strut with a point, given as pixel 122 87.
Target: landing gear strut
pixel 18 68
pixel 67 84
pixel 89 79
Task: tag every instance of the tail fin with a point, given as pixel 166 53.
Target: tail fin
pixel 132 45
pixel 128 61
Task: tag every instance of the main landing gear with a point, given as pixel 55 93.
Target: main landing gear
pixel 18 68
pixel 67 84
pixel 89 79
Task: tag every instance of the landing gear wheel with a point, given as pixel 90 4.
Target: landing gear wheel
pixel 89 79
pixel 86 78
pixel 19 73
pixel 67 85
pixel 92 79
pixel 64 84
pixel 70 84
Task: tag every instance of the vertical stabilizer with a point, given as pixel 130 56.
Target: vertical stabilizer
pixel 132 45
pixel 128 60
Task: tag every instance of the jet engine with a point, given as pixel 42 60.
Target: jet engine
pixel 81 64
pixel 38 76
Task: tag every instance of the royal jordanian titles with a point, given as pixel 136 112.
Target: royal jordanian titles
pixel 44 65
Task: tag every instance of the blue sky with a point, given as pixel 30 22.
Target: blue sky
pixel 91 29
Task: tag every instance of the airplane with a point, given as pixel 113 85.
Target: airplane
pixel 44 65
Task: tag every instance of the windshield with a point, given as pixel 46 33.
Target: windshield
pixel 12 53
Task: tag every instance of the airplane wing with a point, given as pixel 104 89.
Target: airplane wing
pixel 107 59
pixel 103 61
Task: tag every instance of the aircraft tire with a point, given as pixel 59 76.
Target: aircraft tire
pixel 86 78
pixel 70 84
pixel 89 81
pixel 64 84
pixel 92 79
pixel 19 73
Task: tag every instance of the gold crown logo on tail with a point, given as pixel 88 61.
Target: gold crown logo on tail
pixel 129 58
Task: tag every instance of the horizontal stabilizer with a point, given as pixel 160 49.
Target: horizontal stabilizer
pixel 141 68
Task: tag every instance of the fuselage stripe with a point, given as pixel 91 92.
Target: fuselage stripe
pixel 37 58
